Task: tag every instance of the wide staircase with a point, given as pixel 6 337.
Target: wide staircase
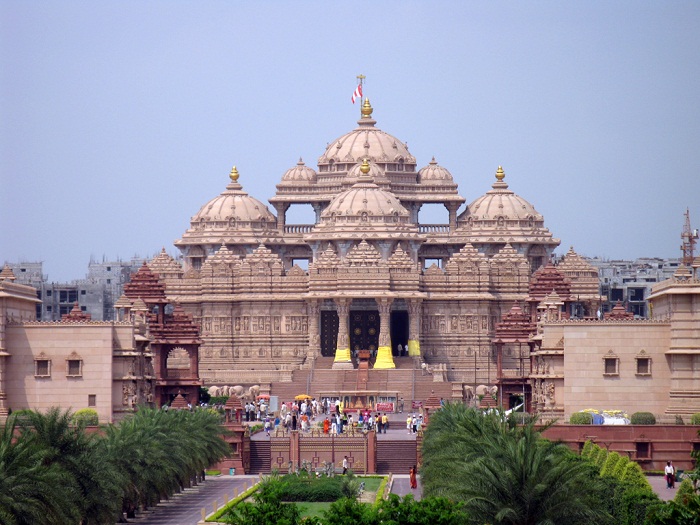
pixel 410 382
pixel 396 457
pixel 260 457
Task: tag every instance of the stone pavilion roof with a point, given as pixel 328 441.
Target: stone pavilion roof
pixel 546 280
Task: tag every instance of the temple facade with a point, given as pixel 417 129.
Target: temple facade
pixel 271 297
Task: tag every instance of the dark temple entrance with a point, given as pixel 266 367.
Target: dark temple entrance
pixel 364 330
pixel 399 332
pixel 329 332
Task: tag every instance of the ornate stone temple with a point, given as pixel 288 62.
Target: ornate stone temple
pixel 272 298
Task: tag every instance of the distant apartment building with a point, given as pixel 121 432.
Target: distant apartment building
pixel 95 294
pixel 630 282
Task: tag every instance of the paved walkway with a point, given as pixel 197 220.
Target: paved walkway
pixel 658 483
pixel 186 508
pixel 402 486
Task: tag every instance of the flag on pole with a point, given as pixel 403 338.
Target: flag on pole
pixel 357 93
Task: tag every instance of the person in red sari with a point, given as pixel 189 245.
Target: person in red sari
pixel 412 477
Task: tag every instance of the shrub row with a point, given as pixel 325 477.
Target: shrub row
pixel 613 465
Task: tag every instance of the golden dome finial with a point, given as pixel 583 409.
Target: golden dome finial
pixel 366 109
pixel 364 168
pixel 234 174
pixel 500 175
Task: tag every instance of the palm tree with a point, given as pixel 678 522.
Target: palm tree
pixel 80 455
pixel 507 475
pixel 160 452
pixel 33 490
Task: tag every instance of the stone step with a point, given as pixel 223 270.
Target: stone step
pixel 394 456
pixel 260 462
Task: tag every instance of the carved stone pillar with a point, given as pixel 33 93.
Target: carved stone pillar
pixel 313 310
pixel 452 211
pixel 193 354
pixel 342 351
pixel 384 358
pixel 415 309
pixel 3 395
pixel 281 208
pixel 318 209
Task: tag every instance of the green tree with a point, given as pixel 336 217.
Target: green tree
pixel 82 457
pixel 428 511
pixel 506 474
pixel 268 507
pixel 160 452
pixel 33 490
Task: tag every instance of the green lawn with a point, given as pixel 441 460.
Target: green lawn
pixel 372 483
pixel 314 508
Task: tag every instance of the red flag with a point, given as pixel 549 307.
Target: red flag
pixel 357 93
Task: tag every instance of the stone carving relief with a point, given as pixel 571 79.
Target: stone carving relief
pixel 256 324
pixel 296 324
pixel 128 393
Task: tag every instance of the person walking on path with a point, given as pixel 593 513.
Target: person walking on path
pixel 412 477
pixel 345 465
pixel 670 473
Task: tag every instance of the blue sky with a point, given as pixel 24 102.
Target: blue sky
pixel 119 120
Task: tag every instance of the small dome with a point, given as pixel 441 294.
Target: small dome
pixel 434 174
pixel 299 174
pixel 501 205
pixel 373 173
pixel 234 205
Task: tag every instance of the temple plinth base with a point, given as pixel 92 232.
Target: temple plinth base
pixel 384 358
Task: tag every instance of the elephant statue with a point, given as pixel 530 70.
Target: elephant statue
pixel 237 391
pixel 214 391
pixel 467 393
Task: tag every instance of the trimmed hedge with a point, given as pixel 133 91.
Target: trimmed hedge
pixel 643 418
pixel 695 419
pixel 581 418
pixel 610 464
pixel 588 449
pixel 87 417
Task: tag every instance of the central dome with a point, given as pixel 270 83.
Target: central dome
pixel 365 202
pixel 369 142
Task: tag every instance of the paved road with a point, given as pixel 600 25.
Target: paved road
pixel 186 508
